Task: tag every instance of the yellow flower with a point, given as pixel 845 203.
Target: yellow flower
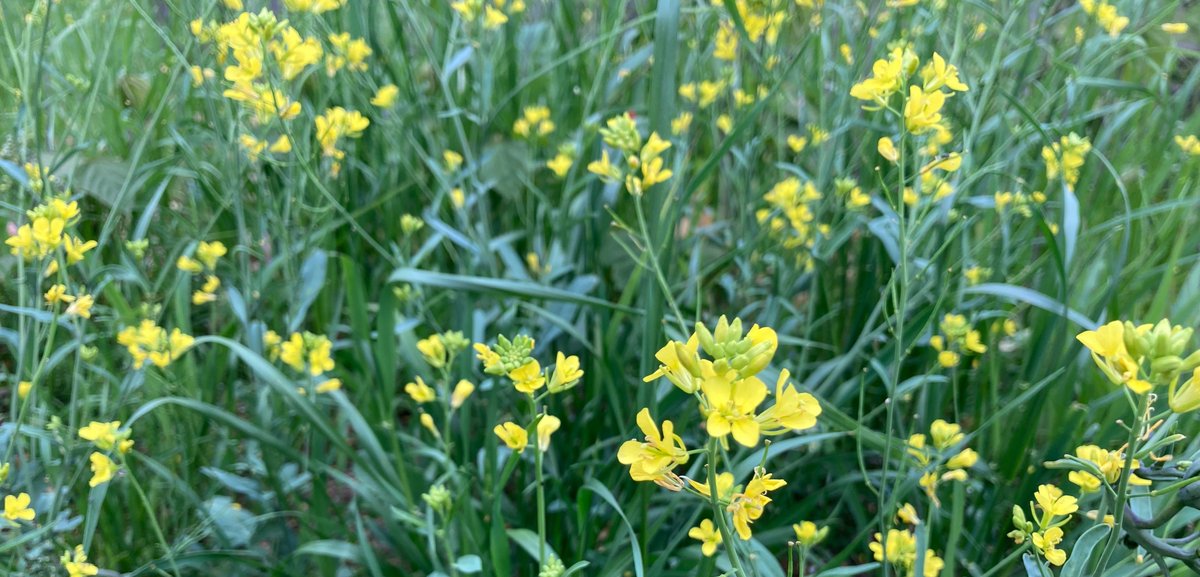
pixel 513 435
pixel 1175 27
pixel 887 149
pixel 16 508
pixel 655 457
pixel 76 565
pixel 427 422
pixel 1107 344
pixel 792 411
pixel 546 427
pixel 747 507
pixel 462 390
pixel 103 469
pixel 493 18
pixel 965 459
pixel 150 342
pixel 23 389
pixel 328 386
pixel 560 164
pixel 336 124
pixel 726 42
pixel 937 74
pixel 707 535
pixel 922 110
pixel 386 96
pixel 433 350
pixel 107 436
pixel 566 373
pixel 724 486
pixel 188 264
pixel 945 435
pixel 420 392
pixel 680 364
pixel 733 403
pixel 308 352
pixel 797 143
pixel 528 378
pixel 1066 157
pixel 887 77
pixel 1052 501
pixel 209 253
pixel 58 294
pixel 314 6
pixel 681 123
pixel 1046 542
pixel 808 534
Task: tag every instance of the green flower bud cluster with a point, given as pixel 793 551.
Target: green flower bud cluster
pixel 748 354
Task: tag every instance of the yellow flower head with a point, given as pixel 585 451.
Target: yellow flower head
pixel 513 435
pixel 103 469
pixel 420 392
pixel 528 378
pixel 708 536
pixel 462 390
pixel 16 508
pixel 546 427
pixel 76 565
pixel 655 457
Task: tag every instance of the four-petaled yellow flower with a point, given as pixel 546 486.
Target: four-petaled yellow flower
pixel 16 508
pixel 528 378
pixel 708 536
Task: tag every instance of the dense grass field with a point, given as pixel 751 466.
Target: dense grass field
pixel 614 288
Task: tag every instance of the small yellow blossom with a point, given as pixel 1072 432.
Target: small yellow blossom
pixel 513 435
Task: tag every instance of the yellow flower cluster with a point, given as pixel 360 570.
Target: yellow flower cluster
pixel 1066 157
pixel 1106 16
pixel 790 217
pixel 645 161
pixel 1143 356
pixel 45 236
pixel 534 120
pixel 253 40
pixel 923 105
pixel 208 254
pixel 703 94
pixel 1047 533
pixel 956 339
pixel 729 394
pixel 1189 144
pixel 494 13
pixel 1110 464
pixel 336 124
pixel 1018 202
pixel 512 358
pixel 346 52
pixel 150 342
pixel 728 389
pixel 900 550
pixel 932 454
pixel 307 353
pixel 106 437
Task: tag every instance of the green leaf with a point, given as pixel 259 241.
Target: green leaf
pixel 1077 564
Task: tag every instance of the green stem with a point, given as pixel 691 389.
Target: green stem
pixel 1005 561
pixel 1123 484
pixel 541 509
pixel 719 514
pixel 158 532
pixel 652 256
